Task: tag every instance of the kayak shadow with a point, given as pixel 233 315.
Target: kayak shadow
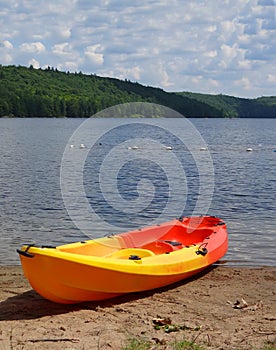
pixel 30 305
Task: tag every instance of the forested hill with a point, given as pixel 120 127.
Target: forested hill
pixel 29 92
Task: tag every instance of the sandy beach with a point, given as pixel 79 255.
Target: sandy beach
pixel 222 308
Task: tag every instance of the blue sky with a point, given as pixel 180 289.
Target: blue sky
pixel 208 46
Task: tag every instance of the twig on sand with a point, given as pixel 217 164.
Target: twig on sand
pixel 11 291
pixel 72 340
pixel 266 333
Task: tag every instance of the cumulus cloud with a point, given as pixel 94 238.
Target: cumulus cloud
pixel 244 82
pixel 63 49
pixel 205 46
pixel 211 54
pixel 36 47
pixel 71 66
pixel 7 44
pixel 34 63
pixel 134 73
pixel 94 53
pixel 245 64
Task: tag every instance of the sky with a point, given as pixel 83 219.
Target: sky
pixel 206 46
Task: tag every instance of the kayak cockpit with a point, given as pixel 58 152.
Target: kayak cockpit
pixel 155 240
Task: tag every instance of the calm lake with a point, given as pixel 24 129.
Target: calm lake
pixel 234 173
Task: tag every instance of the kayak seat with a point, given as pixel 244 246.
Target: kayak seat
pixel 159 247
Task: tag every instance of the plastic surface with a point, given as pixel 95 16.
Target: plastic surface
pixel 134 261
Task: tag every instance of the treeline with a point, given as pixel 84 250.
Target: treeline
pixel 235 107
pixel 29 92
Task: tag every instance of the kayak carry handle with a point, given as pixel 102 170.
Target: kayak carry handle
pixel 25 253
pixel 29 255
pixel 202 250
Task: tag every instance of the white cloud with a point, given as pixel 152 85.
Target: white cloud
pixel 34 63
pixel 164 77
pixel 71 66
pixel 64 49
pixel 65 32
pixel 212 28
pixel 245 64
pixel 36 47
pixel 229 52
pixel 244 82
pixel 94 53
pixel 133 73
pixel 211 54
pixel 205 46
pixel 7 44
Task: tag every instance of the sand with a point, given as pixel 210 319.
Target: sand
pixel 222 308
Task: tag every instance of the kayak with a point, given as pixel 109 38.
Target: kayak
pixel 128 262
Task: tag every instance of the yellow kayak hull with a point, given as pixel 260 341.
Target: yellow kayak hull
pixel 134 261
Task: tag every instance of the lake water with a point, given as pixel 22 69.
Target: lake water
pixel 234 183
